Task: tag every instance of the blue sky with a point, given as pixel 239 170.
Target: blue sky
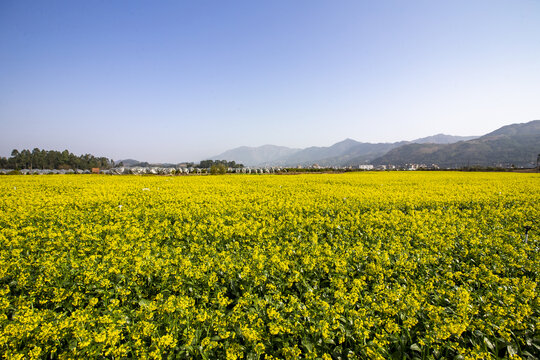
pixel 184 80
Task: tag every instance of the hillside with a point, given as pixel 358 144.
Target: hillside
pixel 316 154
pixel 443 139
pixel 517 144
pixel 348 152
pixel 253 156
pixel 129 162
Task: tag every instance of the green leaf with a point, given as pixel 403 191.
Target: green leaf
pixel 307 344
pixel 73 344
pixel 144 302
pixel 489 344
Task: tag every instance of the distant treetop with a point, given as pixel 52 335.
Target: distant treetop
pixel 207 164
pixel 51 159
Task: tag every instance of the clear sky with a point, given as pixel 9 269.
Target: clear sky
pixel 180 80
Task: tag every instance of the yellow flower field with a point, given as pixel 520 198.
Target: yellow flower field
pixel 380 265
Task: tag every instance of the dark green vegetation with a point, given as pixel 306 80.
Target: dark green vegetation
pixel 51 159
pixel 208 164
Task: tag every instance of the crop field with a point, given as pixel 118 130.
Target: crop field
pixel 403 265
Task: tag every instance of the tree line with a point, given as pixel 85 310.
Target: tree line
pixel 52 159
pixel 207 164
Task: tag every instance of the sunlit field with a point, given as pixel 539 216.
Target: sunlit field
pixel 378 265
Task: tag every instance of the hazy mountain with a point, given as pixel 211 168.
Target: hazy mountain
pixel 523 129
pixel 344 153
pixel 313 154
pixel 129 162
pixel 252 156
pixel 443 139
pixel 132 162
pixel 363 153
pixel 517 144
pixel 513 144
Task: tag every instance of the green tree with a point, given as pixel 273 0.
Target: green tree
pixel 26 158
pixel 206 164
pixel 15 156
pixel 36 158
pixel 218 169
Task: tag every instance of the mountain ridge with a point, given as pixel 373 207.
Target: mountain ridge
pixel 511 145
pixel 251 156
pixel 514 144
pixel 343 153
pixel 443 139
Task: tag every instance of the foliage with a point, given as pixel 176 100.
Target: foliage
pixel 218 169
pixel 51 159
pixel 14 172
pixel 207 164
pixel 358 265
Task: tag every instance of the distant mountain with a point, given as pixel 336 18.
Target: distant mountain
pixel 443 139
pixel 128 162
pixel 514 144
pixel 524 129
pixel 517 144
pixel 318 154
pixel 344 153
pixel 253 156
pixel 132 163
